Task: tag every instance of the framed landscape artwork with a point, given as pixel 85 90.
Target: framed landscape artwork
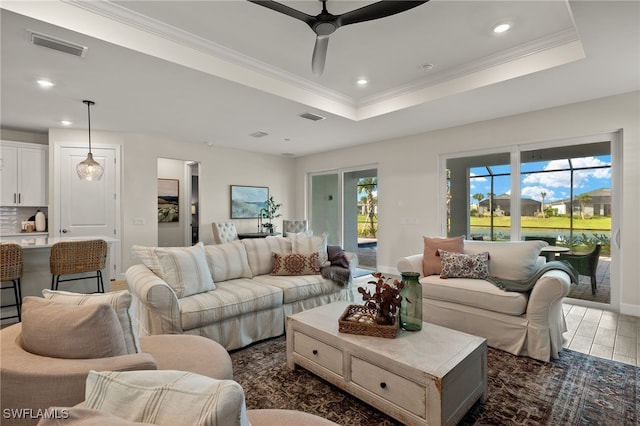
pixel 247 201
pixel 168 200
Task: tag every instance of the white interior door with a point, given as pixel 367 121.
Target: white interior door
pixel 88 208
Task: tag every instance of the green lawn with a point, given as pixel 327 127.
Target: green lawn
pixel 596 223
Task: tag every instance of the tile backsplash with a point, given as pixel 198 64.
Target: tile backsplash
pixel 11 218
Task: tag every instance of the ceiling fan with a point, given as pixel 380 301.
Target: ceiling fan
pixel 325 24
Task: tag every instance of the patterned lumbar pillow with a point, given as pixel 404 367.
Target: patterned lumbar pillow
pixel 461 265
pixel 296 264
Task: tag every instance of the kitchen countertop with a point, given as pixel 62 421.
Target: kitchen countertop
pixel 33 240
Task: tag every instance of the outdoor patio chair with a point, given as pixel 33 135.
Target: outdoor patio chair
pixel 585 264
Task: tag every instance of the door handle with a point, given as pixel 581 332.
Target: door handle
pixel 64 231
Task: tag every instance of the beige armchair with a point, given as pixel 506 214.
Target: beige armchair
pixel 30 382
pixel 224 232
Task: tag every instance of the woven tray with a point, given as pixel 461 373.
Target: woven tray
pixel 353 327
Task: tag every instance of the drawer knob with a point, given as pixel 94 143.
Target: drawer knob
pixel 383 385
pixel 315 352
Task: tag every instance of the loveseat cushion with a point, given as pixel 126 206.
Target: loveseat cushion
pixel 259 252
pixel 509 260
pixel 228 261
pixel 299 287
pixel 230 299
pixel 473 292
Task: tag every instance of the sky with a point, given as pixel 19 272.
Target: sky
pixel 555 183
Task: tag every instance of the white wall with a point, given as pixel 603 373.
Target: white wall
pixel 219 168
pixel 172 234
pixel 408 174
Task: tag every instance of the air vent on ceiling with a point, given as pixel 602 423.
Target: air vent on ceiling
pixel 57 44
pixel 312 117
pixel 258 134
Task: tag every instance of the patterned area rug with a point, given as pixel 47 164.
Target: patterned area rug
pixel 577 389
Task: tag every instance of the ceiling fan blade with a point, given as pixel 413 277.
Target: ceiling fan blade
pixel 279 7
pixel 377 10
pixel 319 55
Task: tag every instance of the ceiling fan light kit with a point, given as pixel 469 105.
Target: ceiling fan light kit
pixel 324 24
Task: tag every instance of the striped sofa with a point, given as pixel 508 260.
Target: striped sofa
pixel 245 303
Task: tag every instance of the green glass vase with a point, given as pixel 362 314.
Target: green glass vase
pixel 411 304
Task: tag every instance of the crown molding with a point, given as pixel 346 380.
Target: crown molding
pixel 144 23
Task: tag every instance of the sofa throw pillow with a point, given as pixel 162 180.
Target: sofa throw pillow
pixel 337 256
pixel 431 259
pixel 228 261
pixel 305 245
pixel 295 264
pixel 461 265
pixel 71 331
pixel 184 269
pixel 259 252
pixel 510 260
pixel 119 300
pixel 166 397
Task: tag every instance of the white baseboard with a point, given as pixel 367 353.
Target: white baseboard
pixel 628 309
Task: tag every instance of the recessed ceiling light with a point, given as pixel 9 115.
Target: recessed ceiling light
pixel 362 81
pixel 66 122
pixel 45 83
pixel 501 28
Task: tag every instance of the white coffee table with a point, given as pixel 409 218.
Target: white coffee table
pixel 429 377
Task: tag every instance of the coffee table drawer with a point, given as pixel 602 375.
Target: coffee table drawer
pixel 402 392
pixel 318 352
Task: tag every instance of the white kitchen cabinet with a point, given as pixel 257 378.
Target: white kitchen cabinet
pixel 23 174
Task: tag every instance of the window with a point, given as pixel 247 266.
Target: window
pixel 562 193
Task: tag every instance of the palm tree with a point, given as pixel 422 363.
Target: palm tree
pixel 490 196
pixel 479 197
pixel 583 199
pixel 542 195
pixel 369 186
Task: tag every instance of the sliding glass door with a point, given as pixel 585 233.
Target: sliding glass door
pixel 344 204
pixel 560 192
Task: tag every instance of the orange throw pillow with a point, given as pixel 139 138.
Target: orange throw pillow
pixel 431 260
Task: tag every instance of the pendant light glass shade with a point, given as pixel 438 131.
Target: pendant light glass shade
pixel 89 169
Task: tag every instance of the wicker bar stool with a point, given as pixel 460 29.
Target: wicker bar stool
pixel 74 257
pixel 12 265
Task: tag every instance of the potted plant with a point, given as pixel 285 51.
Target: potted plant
pixel 270 212
pixel 385 299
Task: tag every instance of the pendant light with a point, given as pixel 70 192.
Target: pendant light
pixel 89 169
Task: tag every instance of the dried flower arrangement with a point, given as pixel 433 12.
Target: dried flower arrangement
pixel 385 299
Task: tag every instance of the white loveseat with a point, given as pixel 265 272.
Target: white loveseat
pixel 522 323
pixel 244 302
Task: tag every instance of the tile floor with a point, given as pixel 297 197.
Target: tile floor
pixel 603 333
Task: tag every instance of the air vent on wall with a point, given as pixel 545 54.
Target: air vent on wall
pixel 312 117
pixel 57 44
